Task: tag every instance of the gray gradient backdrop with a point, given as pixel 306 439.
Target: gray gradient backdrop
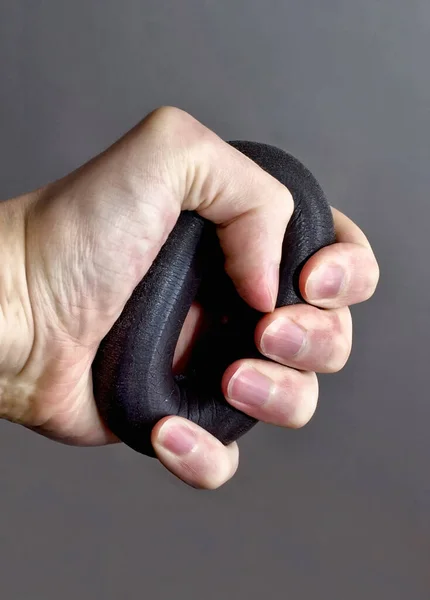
pixel 339 510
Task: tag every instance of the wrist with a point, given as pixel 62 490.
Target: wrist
pixel 16 321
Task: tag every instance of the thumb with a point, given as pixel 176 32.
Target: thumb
pixel 171 162
pixel 250 207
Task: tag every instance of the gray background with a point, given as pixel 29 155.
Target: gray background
pixel 339 510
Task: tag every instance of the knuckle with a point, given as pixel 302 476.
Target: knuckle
pixel 167 116
pixel 192 147
pixel 179 126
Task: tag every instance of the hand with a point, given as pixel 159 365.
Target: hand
pixel 74 251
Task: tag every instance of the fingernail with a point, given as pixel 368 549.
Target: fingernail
pixel 325 282
pixel 177 438
pixel 283 339
pixel 249 386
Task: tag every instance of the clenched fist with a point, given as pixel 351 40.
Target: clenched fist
pixel 73 252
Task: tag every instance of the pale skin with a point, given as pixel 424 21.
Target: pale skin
pixel 73 251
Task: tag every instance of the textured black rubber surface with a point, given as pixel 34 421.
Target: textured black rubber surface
pixel 133 382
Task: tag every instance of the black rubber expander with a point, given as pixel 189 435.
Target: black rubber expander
pixel 134 385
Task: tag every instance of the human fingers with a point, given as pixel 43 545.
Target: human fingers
pixel 271 392
pixel 193 454
pixel 344 273
pixel 306 337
